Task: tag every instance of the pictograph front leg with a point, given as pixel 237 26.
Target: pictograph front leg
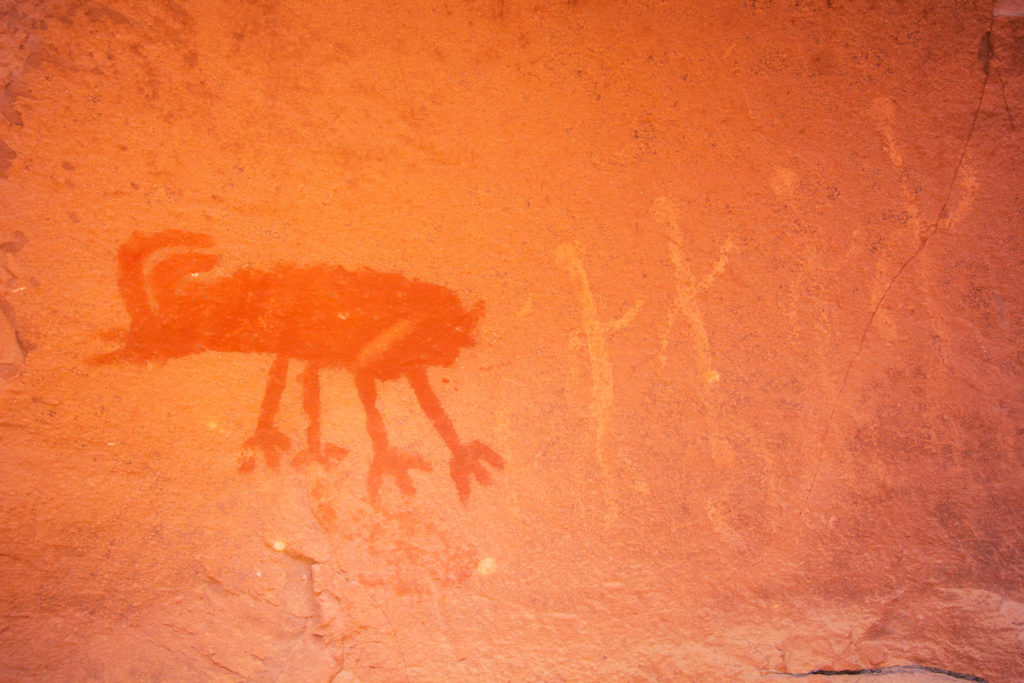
pixel 267 439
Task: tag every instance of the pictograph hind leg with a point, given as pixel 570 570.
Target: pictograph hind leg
pixel 468 459
pixel 316 450
pixel 386 459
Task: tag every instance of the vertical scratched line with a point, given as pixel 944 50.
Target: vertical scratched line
pixel 602 389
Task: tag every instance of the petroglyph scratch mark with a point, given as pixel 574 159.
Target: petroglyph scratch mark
pixel 685 303
pixel 602 390
pixel 687 287
pixel 380 326
pixel 944 218
pixel 882 111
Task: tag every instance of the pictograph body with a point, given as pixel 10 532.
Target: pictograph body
pixel 379 326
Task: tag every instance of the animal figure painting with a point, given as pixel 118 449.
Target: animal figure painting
pixel 379 326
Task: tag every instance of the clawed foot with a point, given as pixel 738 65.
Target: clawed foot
pixel 468 460
pixel 270 442
pixel 396 464
pixel 326 456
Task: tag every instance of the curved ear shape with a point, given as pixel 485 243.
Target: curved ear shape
pixel 132 257
pixel 140 244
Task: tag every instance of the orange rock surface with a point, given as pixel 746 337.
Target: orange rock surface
pixel 492 340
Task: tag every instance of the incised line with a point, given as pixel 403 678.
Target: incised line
pixel 685 303
pixel 602 390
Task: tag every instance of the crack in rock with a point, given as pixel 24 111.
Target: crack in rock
pixel 899 669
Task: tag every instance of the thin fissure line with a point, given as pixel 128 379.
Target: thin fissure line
pixel 900 668
pixel 920 247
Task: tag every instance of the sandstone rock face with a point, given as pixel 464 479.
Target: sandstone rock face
pixel 503 340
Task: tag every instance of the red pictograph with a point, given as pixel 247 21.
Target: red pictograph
pixel 379 326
